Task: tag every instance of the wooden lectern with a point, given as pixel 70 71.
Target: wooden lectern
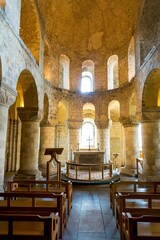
pixel 53 152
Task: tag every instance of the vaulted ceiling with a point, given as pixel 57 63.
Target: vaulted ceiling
pixel 84 27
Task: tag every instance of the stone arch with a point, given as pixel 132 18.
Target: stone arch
pixel 131 59
pixel 30 27
pixel 27 90
pixel 113 75
pixel 64 64
pixel 88 110
pixel 150 96
pixel 149 28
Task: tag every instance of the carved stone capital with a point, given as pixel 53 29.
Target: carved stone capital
pixel 7 95
pixel 102 124
pixel 129 122
pixel 151 114
pixel 29 114
pixel 74 124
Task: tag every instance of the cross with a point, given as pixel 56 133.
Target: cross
pixel 89 140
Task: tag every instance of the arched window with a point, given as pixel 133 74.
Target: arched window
pixel 113 78
pixel 64 71
pixel 88 134
pixel 87 76
pixel 86 84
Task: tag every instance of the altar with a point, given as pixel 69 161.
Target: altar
pixel 89 157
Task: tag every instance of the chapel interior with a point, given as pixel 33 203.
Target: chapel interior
pixel 84 76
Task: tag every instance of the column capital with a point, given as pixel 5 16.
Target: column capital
pixel 129 122
pixel 150 114
pixel 103 123
pixel 74 124
pixel 29 114
pixel 7 95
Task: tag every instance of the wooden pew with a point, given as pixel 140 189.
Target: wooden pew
pixel 140 228
pixel 137 204
pixel 125 187
pixel 26 226
pixel 42 185
pixel 35 203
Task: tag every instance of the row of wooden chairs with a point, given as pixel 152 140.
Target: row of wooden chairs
pixel 136 205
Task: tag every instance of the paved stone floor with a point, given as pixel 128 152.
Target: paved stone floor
pixel 91 217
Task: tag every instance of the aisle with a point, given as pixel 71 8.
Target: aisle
pixel 91 217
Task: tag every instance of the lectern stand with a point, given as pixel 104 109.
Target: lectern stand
pixel 53 152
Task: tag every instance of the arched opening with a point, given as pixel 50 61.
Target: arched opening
pixel 131 60
pixel 26 97
pixel 150 97
pixel 116 134
pixel 88 131
pixel 113 76
pixel 64 71
pixel 30 28
pixel 87 80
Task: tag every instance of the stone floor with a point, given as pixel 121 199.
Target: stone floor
pixel 91 217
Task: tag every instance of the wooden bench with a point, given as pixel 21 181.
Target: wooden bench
pixel 125 187
pixel 137 204
pixel 42 185
pixel 26 226
pixel 140 228
pixel 35 203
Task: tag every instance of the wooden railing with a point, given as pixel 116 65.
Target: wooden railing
pixel 88 167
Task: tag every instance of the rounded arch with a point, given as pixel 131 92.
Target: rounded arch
pixel 113 75
pixel 131 59
pixel 64 64
pixel 151 91
pixel 87 81
pixel 114 110
pixel 27 90
pixel 30 27
pixel 88 110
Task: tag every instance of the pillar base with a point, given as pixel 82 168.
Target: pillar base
pixel 28 175
pixel 132 172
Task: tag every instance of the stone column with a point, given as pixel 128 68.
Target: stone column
pixel 47 140
pixel 30 136
pixel 7 98
pixel 151 145
pixel 131 148
pixel 104 137
pixel 74 126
